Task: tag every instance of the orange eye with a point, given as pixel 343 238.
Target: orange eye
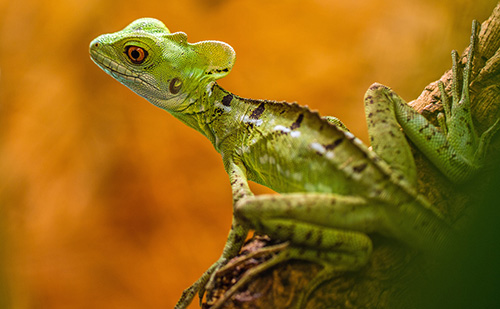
pixel 136 54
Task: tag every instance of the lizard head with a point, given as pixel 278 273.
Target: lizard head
pixel 158 65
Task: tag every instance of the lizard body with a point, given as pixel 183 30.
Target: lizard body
pixel 335 191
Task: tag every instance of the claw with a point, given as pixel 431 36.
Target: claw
pixel 189 293
pixel 468 65
pixel 454 81
pixel 447 109
pixel 199 286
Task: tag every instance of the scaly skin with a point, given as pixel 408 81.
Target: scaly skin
pixel 335 192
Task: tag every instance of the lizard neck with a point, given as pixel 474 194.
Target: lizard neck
pixel 214 112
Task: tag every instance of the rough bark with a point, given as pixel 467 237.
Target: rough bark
pixel 394 271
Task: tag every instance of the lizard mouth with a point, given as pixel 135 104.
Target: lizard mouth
pixel 120 72
pixel 111 66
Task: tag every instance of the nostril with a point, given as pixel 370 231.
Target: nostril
pixel 96 44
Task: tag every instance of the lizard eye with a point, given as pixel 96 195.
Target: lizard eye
pixel 136 54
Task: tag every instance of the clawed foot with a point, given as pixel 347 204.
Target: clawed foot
pixel 205 282
pixel 456 122
pixel 457 111
pixel 198 287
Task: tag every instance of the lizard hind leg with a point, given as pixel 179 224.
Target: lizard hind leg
pixel 333 264
pixel 325 229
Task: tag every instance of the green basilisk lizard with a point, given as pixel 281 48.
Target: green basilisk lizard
pixel 335 191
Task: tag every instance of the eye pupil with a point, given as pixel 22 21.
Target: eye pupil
pixel 136 54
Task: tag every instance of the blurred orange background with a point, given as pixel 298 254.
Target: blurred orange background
pixel 109 202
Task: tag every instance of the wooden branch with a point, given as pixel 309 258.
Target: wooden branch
pixel 393 271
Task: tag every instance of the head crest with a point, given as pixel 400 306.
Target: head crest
pixel 146 24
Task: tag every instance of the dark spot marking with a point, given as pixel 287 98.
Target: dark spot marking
pixel 338 245
pixel 218 112
pixel 334 144
pixel 308 235
pixel 359 168
pixel 319 241
pixel 217 71
pixel 297 122
pixel 258 111
pixel 226 101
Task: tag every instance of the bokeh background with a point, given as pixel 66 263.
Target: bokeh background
pixel 109 202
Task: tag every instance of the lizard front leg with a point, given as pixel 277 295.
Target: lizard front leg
pixel 235 239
